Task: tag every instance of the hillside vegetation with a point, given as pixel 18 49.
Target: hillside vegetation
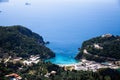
pixel 18 41
pixel 102 48
pixel 38 72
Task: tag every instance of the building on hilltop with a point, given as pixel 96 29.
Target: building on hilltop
pixel 106 35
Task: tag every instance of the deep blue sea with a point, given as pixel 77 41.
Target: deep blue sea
pixel 65 23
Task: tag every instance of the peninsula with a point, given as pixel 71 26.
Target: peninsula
pixel 96 53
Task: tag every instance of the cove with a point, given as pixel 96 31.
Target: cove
pixel 65 23
pixel 64 53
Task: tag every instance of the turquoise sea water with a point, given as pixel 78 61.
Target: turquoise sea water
pixel 65 53
pixel 65 23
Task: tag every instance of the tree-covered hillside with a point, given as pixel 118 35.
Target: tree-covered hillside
pixel 40 70
pixel 102 48
pixel 18 41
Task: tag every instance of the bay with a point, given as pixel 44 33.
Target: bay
pixel 65 23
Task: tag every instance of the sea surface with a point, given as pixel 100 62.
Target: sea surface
pixel 65 23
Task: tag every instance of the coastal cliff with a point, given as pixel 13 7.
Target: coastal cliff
pixel 18 41
pixel 100 49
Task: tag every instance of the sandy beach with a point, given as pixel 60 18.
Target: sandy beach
pixel 86 65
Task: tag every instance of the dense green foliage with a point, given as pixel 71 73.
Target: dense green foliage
pixel 33 72
pixel 110 51
pixel 37 72
pixel 20 41
pixel 102 74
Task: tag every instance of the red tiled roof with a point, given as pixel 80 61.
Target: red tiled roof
pixel 14 75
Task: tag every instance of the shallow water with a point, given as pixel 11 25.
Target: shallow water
pixel 65 23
